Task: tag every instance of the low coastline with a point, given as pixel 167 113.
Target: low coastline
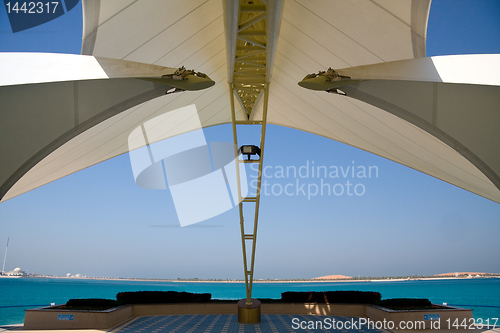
pixel 395 279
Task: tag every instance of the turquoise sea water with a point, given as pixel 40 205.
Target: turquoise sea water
pixel 45 291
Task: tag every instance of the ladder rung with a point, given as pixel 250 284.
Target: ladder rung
pixel 249 161
pixel 252 33
pixel 248 122
pixel 249 273
pixel 250 199
pixel 248 236
pixel 249 48
pixel 253 8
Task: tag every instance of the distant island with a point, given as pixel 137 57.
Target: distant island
pixel 459 275
pixel 334 277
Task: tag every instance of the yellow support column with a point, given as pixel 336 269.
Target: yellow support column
pixel 249 309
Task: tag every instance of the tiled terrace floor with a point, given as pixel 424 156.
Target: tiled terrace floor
pixel 228 323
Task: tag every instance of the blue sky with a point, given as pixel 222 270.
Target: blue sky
pixel 97 222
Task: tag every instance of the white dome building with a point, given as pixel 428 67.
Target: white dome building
pixel 16 272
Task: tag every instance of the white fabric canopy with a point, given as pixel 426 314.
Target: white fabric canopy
pixel 313 36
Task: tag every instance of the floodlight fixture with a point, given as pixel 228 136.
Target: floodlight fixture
pixel 249 150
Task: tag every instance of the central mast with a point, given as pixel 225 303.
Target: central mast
pixel 252 29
